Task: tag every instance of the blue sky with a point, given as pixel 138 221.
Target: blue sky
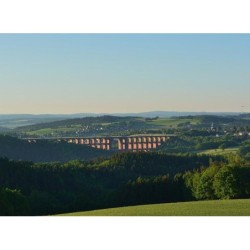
pixel 71 73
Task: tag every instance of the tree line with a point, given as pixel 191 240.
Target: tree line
pixel 184 143
pixel 28 188
pixel 46 151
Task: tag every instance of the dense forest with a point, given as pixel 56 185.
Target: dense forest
pixel 28 188
pixel 45 151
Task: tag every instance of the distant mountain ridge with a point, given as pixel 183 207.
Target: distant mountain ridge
pixel 18 120
pixel 143 114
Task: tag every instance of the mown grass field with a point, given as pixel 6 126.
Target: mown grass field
pixel 49 131
pixel 172 122
pixel 219 151
pixel 196 208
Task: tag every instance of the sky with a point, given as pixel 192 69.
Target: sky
pixel 110 73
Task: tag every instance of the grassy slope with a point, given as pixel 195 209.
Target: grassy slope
pixel 46 131
pixel 173 122
pixel 226 151
pixel 196 208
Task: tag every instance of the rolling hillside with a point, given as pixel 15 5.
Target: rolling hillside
pixel 107 124
pixel 77 121
pixel 87 126
pixel 196 208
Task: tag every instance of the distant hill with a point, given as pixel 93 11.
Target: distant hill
pixel 212 118
pixel 246 116
pixel 168 114
pixel 114 119
pixel 76 121
pixel 126 125
pixel 45 151
pixel 3 129
pixel 13 121
pixel 17 120
pixel 220 119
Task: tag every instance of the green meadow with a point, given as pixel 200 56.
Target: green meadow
pixel 195 208
pixel 172 122
pixel 47 131
pixel 219 151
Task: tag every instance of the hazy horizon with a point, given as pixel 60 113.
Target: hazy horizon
pixel 123 113
pixel 124 73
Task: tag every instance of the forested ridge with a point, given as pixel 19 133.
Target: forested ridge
pixel 28 188
pixel 46 151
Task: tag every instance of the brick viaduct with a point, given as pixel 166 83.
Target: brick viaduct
pixel 121 143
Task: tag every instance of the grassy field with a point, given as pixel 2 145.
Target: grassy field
pixel 196 208
pixel 159 123
pixel 219 151
pixel 49 131
pixel 171 122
